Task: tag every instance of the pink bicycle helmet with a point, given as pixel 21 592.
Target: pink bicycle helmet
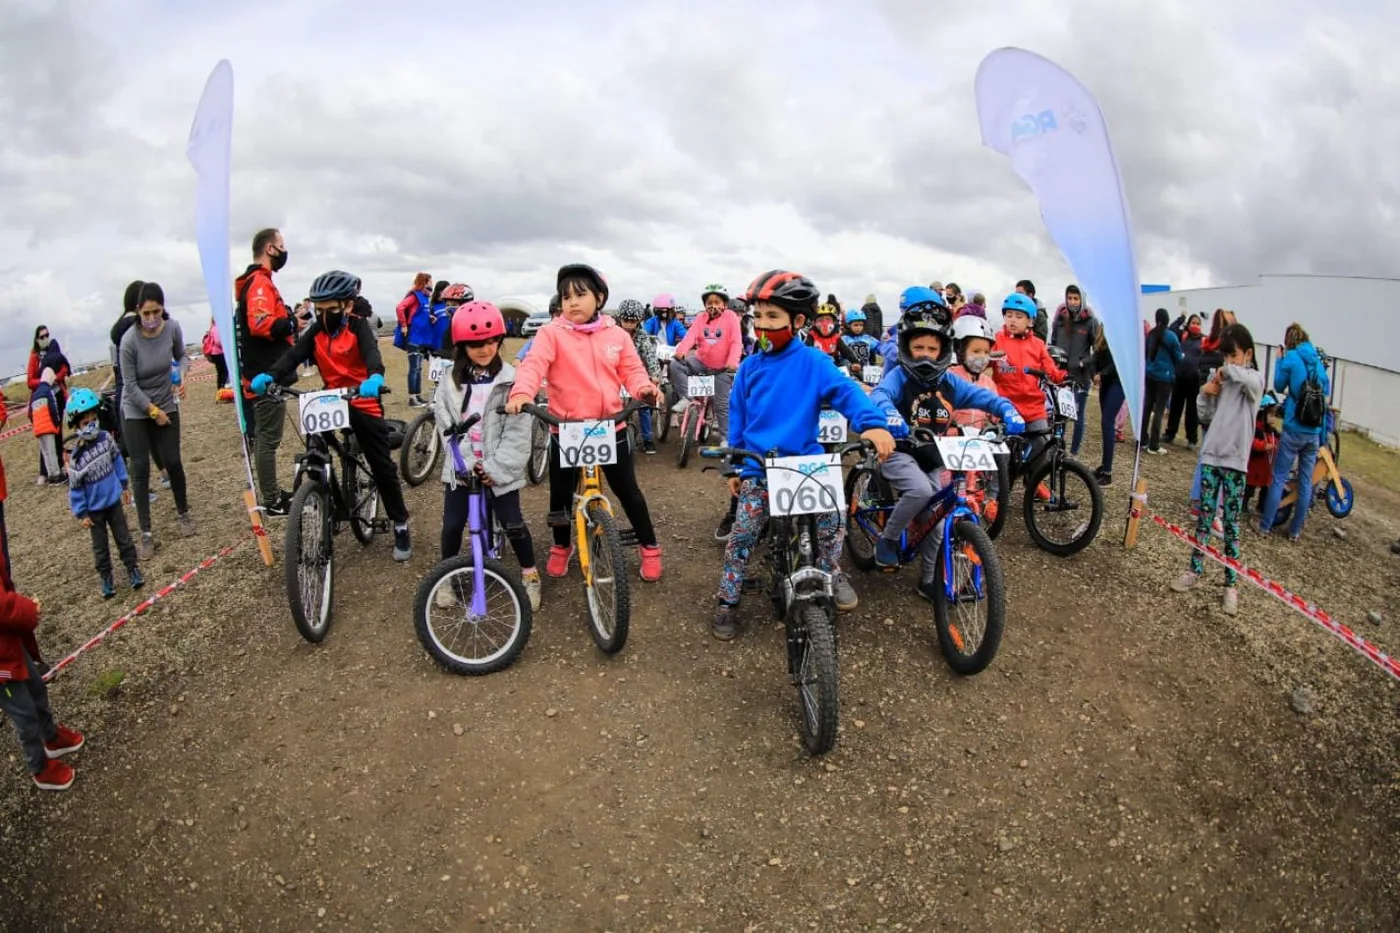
pixel 477 320
pixel 664 300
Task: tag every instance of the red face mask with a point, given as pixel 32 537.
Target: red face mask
pixel 1194 330
pixel 774 340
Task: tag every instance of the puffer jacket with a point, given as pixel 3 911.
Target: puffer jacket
pixel 505 438
pixel 586 367
pixel 19 617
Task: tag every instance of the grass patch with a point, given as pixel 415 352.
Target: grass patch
pixel 107 683
pixel 1365 458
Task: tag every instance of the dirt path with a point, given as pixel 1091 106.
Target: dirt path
pixel 1130 761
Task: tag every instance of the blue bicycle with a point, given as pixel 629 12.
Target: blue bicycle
pixel 471 614
pixel 969 599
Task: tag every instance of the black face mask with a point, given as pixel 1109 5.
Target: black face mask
pixel 332 320
pixel 279 261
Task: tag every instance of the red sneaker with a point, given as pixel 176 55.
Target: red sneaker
pixel 651 563
pixel 65 742
pixel 558 564
pixel 55 776
pixel 1042 492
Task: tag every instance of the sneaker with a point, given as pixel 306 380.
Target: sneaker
pixel 651 563
pixel 1231 603
pixel 65 741
pixel 886 553
pixel 415 402
pixel 726 623
pixel 279 507
pixel 55 776
pixel 1216 528
pixel 648 446
pixel 109 586
pixel 928 589
pixel 146 549
pixel 187 525
pixel 531 579
pixel 1103 478
pixel 1157 451
pixel 558 564
pixel 726 527
pixel 444 598
pixel 403 544
pixel 134 576
pixel 164 481
pixel 1184 582
pixel 152 498
pixel 846 598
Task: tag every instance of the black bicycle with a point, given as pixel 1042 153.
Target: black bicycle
pixel 801 593
pixel 422 447
pixel 333 486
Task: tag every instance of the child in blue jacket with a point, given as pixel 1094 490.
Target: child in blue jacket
pixel 97 488
pixel 774 406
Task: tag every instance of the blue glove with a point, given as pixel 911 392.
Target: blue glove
pixel 896 426
pixel 261 383
pixel 1014 423
pixel 372 386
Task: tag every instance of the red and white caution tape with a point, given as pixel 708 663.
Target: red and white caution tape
pixel 1310 610
pixel 141 607
pixel 16 432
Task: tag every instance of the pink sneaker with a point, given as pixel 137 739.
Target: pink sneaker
pixel 558 564
pixel 651 563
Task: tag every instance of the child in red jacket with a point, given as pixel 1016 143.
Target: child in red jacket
pixel 1261 453
pixel 1021 349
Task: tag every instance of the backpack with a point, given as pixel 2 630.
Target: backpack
pixel 1310 408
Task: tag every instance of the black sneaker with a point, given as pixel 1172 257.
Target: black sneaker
pixel 403 544
pixel 928 589
pixel 1103 477
pixel 136 579
pixel 726 623
pixel 648 446
pixel 109 588
pixel 279 507
pixel 726 526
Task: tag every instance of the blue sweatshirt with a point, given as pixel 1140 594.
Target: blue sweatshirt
pixel 96 475
pixel 1161 366
pixel 777 398
pixel 897 391
pixel 421 325
pixel 674 333
pixel 1290 373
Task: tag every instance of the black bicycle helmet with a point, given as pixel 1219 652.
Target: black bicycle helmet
pixel 630 310
pixel 791 291
pixel 925 321
pixel 335 286
pixel 738 306
pixel 580 270
pixel 554 306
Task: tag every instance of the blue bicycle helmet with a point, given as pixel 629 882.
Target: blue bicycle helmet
pixel 80 402
pixel 855 314
pixel 335 286
pixel 1018 302
pixel 916 295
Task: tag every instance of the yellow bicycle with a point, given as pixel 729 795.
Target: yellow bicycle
pixel 589 446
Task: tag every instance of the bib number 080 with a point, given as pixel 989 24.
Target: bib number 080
pixel 324 411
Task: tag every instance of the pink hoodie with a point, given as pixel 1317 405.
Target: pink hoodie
pixel 718 342
pixel 586 368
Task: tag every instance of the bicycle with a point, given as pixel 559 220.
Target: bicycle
pixel 1336 491
pixel 590 446
pixel 322 502
pixel 422 448
pixel 458 588
pixel 968 571
pixel 698 418
pixel 801 593
pixel 537 468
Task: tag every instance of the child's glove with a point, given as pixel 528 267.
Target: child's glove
pixel 1015 424
pixel 898 429
pixel 261 383
pixel 372 386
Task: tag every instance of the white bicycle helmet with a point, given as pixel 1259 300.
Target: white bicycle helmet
pixel 969 325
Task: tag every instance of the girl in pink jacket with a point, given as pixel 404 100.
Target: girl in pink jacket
pixel 587 359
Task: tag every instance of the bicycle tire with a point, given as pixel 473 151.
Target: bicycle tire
pixel 414 474
pixel 950 637
pixel 424 605
pixel 605 550
pixel 683 455
pixel 819 708
pixel 539 453
pixel 860 544
pixel 1089 531
pixel 1339 502
pixel 662 415
pixel 312 624
pixel 361 501
pixel 1003 497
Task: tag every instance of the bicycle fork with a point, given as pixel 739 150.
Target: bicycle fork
pixel 476 525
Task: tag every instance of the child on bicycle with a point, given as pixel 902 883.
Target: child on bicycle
pixel 1238 387
pixel 913 296
pixel 825 334
pixel 717 339
pixel 864 348
pixel 921 393
pixel 453 297
pixel 496 448
pixel 629 317
pixel 346 353
pixel 972 341
pixel 775 406
pixel 587 359
pixel 1021 349
pixel 97 489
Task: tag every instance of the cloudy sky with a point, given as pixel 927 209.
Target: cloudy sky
pixel 672 144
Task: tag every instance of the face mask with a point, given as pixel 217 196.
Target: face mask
pixel 825 327
pixel 774 340
pixel 149 324
pixel 331 320
pixel 44 342
pixel 88 431
pixel 975 364
pixel 279 261
pixel 1194 330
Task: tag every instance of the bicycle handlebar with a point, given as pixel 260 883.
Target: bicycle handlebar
pixel 463 427
pixel 277 390
pixel 739 453
pixel 543 414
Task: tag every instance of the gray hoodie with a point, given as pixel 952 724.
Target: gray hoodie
pixel 1231 432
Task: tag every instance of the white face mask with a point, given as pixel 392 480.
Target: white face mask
pixel 88 431
pixel 975 364
pixel 44 342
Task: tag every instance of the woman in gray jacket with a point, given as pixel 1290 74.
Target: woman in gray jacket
pixel 496 448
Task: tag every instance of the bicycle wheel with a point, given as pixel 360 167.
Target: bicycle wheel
pixel 308 561
pixel 998 494
pixel 362 499
pixel 609 599
pixel 421 450
pixel 968 640
pixel 860 515
pixel 1069 489
pixel 687 437
pixel 1340 501
pixel 661 417
pixel 539 453
pixel 459 640
pixel 813 669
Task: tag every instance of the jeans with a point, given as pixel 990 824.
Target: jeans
pixel 644 416
pixel 681 370
pixel 415 370
pixel 112 518
pixel 1110 401
pixel 26 702
pixel 1081 402
pixel 1302 449
pixel 1158 394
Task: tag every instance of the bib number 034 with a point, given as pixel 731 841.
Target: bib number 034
pixel 969 454
pixel 587 444
pixel 324 411
pixel 805 485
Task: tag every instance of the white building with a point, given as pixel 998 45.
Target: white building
pixel 1349 318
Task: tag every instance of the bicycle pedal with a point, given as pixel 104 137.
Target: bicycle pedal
pixel 382 526
pixel 558 520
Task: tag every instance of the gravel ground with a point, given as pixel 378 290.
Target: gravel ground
pixel 1133 759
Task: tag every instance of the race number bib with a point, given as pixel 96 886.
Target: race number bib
pixel 968 454
pixel 1064 401
pixel 700 386
pixel 805 485
pixel 324 411
pixel 664 352
pixel 437 368
pixel 831 428
pixel 872 374
pixel 587 444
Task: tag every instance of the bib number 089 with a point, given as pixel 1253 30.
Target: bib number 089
pixel 587 444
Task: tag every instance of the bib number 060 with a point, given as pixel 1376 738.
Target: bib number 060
pixel 805 485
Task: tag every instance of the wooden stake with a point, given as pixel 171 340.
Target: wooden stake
pixel 1137 506
pixel 259 532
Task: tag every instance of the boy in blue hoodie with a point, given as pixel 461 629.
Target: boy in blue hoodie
pixel 920 392
pixel 775 405
pixel 97 489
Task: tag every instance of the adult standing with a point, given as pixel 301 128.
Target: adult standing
pixel 266 330
pixel 1299 369
pixel 214 353
pixel 44 354
pixel 415 321
pixel 874 317
pixel 47 378
pixel 153 367
pixel 1188 383
pixel 1163 353
pixel 1076 331
pixel 975 307
pixel 1041 325
pixel 124 322
pixel 1111 402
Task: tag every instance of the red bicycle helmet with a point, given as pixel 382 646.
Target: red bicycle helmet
pixel 791 291
pixel 458 292
pixel 477 320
